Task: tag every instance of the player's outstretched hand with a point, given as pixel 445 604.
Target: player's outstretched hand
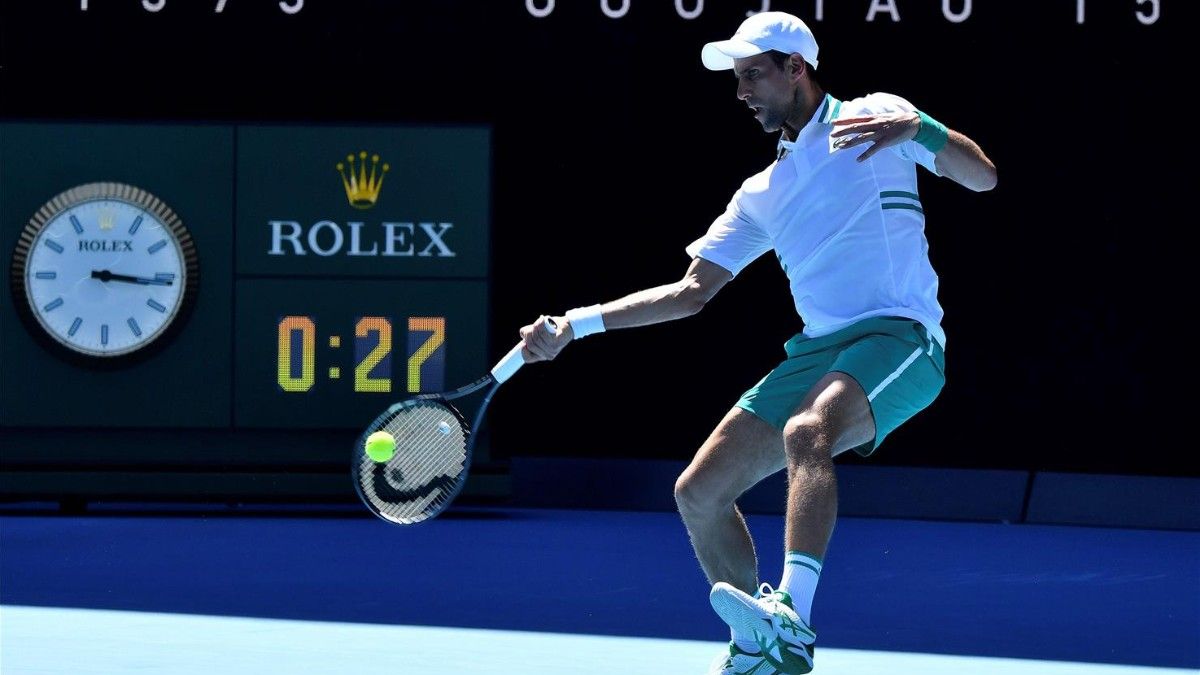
pixel 881 131
pixel 543 343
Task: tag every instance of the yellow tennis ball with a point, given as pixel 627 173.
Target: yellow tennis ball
pixel 381 446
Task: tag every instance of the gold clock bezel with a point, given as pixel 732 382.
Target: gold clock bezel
pixel 104 191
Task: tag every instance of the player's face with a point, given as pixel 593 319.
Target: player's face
pixel 766 88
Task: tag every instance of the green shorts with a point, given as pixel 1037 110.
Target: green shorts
pixel 897 363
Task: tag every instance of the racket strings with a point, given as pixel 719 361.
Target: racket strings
pixel 431 455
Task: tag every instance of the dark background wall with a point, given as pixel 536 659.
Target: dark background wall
pixel 1064 288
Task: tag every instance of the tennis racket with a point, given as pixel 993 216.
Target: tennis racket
pixel 433 449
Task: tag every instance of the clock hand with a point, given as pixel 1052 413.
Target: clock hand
pixel 106 276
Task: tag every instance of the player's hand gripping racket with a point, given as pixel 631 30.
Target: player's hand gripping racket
pixel 433 449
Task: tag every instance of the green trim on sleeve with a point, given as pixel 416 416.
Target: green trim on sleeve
pixel 897 205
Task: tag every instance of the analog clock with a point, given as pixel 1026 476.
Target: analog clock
pixel 105 273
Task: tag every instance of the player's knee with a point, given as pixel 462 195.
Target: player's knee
pixel 806 440
pixel 695 498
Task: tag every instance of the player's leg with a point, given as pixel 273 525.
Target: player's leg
pixel 745 447
pixel 834 417
pixel 884 372
pixel 889 371
pixel 739 453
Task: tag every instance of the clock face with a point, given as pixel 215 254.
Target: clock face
pixel 105 270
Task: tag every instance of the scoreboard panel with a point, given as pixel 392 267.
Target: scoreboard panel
pixel 340 268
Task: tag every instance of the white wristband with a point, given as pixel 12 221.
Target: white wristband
pixel 585 320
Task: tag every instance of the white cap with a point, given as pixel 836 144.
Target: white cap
pixel 762 32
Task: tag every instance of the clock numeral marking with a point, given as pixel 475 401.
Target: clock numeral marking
pixel 54 246
pixel 75 223
pixel 104 334
pixel 133 326
pixel 157 246
pixel 53 305
pixel 155 305
pixel 164 276
pixel 74 327
pixel 137 222
pixel 46 275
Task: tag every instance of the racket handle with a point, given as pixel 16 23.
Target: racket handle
pixel 513 360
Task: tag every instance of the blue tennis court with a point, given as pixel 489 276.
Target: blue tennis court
pixel 494 590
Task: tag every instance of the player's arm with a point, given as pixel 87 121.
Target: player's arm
pixel 962 161
pixel 956 156
pixel 654 305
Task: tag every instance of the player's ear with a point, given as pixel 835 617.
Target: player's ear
pixel 796 66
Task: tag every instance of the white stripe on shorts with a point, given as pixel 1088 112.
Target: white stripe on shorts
pixel 895 373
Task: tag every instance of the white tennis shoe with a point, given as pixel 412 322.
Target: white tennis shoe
pixel 785 639
pixel 738 662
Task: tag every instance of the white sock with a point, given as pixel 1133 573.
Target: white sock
pixel 800 575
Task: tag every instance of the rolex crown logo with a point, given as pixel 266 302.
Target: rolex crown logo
pixel 362 186
pixel 107 219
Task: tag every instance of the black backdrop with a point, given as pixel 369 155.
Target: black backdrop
pixel 1064 288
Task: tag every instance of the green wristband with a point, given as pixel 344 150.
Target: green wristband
pixel 932 134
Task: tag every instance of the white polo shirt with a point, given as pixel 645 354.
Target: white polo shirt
pixel 850 235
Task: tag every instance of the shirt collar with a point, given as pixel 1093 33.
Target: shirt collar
pixel 825 114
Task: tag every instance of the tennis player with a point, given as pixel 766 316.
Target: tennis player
pixel 839 206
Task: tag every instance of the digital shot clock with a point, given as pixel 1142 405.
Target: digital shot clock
pixel 325 353
pixel 424 363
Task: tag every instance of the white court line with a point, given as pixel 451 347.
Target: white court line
pixel 43 641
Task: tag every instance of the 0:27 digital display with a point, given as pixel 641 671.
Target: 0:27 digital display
pixel 424 356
